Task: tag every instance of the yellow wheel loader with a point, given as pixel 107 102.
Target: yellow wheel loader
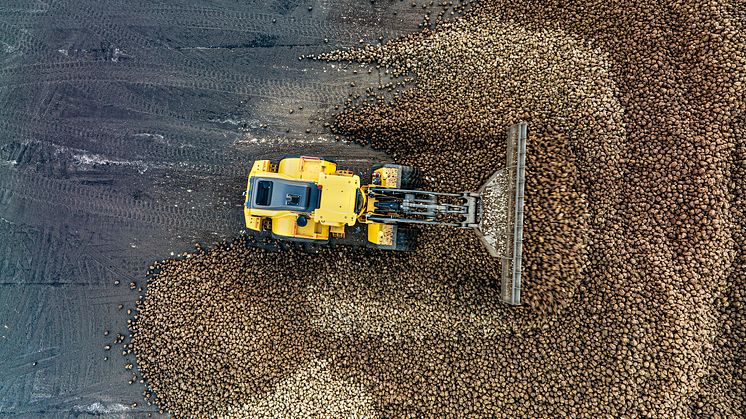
pixel 311 199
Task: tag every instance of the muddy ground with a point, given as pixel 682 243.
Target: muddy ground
pixel 126 130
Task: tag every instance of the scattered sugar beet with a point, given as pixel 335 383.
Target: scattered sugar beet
pixel 633 265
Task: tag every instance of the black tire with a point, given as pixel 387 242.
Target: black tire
pixel 406 239
pixel 411 177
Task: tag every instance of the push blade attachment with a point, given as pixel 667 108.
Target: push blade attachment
pixel 500 226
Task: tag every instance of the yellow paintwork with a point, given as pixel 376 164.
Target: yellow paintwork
pixel 338 195
pixel 306 168
pixel 252 222
pixel 260 166
pixel 381 234
pixel 337 206
pixel 338 231
pixel 312 169
pixel 287 226
pixel 313 230
pixel 389 177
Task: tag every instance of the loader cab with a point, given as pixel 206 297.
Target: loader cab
pixel 283 195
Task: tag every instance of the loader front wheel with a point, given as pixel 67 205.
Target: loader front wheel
pixel 405 239
pixel 411 177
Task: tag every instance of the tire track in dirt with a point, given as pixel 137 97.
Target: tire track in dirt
pixel 54 95
pixel 122 98
pixel 18 39
pixel 23 365
pixel 69 259
pixel 100 165
pixel 265 23
pixel 109 28
pixel 64 329
pixel 154 75
pixel 95 20
pixel 79 256
pixel 55 193
pixel 219 19
pixel 111 144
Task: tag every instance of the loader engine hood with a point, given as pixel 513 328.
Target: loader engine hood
pixel 283 195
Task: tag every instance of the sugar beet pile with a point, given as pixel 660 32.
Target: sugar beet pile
pixel 633 275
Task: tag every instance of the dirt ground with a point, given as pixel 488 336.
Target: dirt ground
pixel 126 130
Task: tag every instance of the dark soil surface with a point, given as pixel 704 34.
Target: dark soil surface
pixel 126 131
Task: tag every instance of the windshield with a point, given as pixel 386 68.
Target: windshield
pixel 263 193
